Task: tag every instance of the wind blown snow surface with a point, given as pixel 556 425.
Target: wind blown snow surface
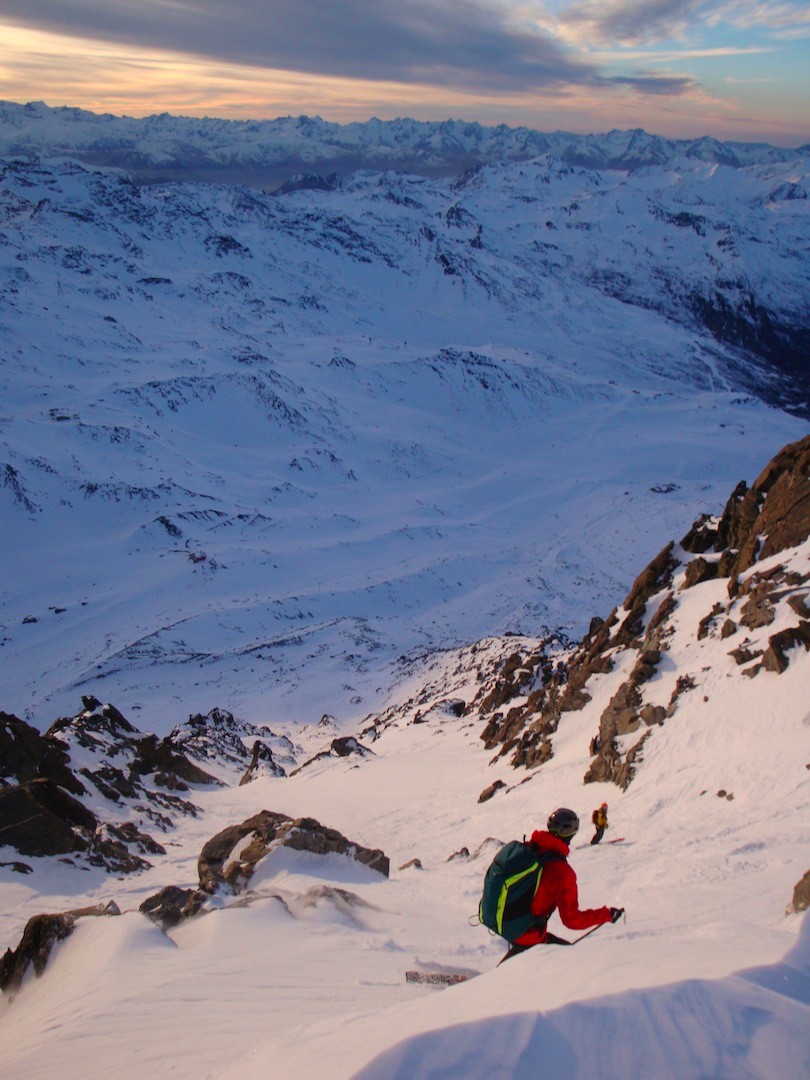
pixel 707 977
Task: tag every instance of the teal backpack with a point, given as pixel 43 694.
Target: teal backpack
pixel 509 887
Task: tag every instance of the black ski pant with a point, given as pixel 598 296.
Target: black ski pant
pixel 597 836
pixel 550 939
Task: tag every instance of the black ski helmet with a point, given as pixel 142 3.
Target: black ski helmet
pixel 563 823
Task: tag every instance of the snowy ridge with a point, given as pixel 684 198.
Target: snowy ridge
pixel 708 975
pixel 249 419
pixel 264 153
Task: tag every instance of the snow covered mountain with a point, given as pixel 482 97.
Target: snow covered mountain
pixel 273 930
pixel 265 153
pixel 256 448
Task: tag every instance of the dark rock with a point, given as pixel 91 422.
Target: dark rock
pixel 698 571
pixel 111 782
pixel 92 721
pixel 610 768
pixel 306 834
pixel 219 848
pixel 487 793
pixel 170 906
pixel 743 655
pixel 170 781
pixel 774 658
pixel 776 507
pixel 267 830
pixel 344 747
pixel 702 536
pixel 756 612
pixel 801 895
pixel 40 935
pixel 218 737
pixel 785 485
pixel 706 622
pixel 25 754
pixel 758 522
pixel 462 853
pixel 513 678
pixel 41 818
pixel 108 848
pixel 128 833
pixel 683 684
pixel 412 864
pixel 349 745
pixel 18 867
pixel 261 760
pixel 158 756
pixel 799 605
pixel 657 576
pixel 653 714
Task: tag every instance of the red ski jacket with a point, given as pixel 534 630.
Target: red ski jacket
pixel 558 889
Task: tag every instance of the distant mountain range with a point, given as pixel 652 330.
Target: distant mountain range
pixel 266 153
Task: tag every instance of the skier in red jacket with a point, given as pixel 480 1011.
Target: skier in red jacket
pixel 558 887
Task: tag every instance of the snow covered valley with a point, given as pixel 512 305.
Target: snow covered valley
pixel 325 490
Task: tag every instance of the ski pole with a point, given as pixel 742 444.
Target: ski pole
pixel 592 930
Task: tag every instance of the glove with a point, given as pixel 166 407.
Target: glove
pixel 616 913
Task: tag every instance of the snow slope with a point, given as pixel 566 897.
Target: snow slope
pixel 707 976
pixel 255 449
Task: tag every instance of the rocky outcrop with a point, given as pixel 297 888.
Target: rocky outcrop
pixel 220 863
pixel 229 859
pixel 489 792
pixel 45 805
pixel 40 935
pixel 526 730
pixel 772 516
pixel 757 524
pixel 41 818
pixel 801 895
pixel 216 738
pixel 25 754
pixel 103 728
pixel 170 905
pixel 346 746
pixel 262 762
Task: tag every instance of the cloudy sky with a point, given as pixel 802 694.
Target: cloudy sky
pixel 733 69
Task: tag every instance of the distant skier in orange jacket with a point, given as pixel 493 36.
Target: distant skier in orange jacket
pixel 600 821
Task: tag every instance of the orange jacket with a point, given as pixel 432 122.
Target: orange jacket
pixel 558 891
